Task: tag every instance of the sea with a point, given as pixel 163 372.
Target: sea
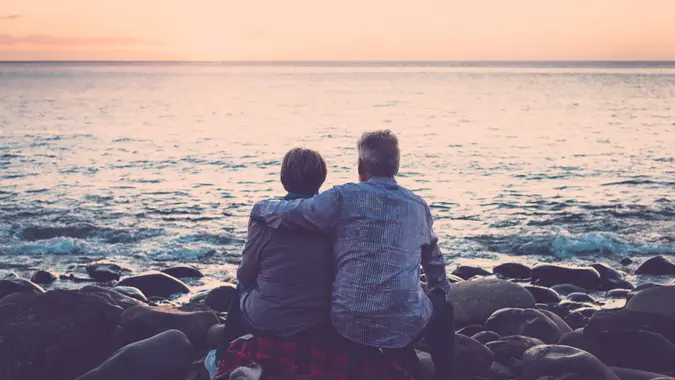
pixel 155 164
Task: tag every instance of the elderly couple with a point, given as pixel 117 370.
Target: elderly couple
pixel 329 284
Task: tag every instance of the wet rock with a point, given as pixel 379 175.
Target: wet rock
pixel 499 371
pixel 471 330
pixel 562 325
pixel 183 271
pixel 580 340
pixel 581 297
pixel 513 270
pixel 565 289
pixel 569 306
pixel 167 355
pixel 484 337
pixel 132 292
pixel 640 288
pixel 542 294
pixel 563 362
pixel 75 279
pixel 194 307
pixel 580 317
pixel 624 319
pixel 623 284
pixel 199 296
pixel 636 349
pixel 527 322
pixel 156 284
pixel 660 300
pixel 610 278
pixel 219 298
pixel 57 335
pixel 112 297
pixel 10 275
pixel 215 336
pixel 550 275
pixel 656 266
pixel 618 293
pixel 626 261
pixel 471 357
pixel 104 271
pixel 508 348
pixel 18 285
pixel 466 272
pixel 43 277
pixel 141 322
pixel 15 297
pixel 634 374
pixel 475 301
pixel 454 279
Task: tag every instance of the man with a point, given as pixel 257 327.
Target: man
pixel 381 234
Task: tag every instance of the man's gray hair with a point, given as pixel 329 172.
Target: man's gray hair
pixel 379 153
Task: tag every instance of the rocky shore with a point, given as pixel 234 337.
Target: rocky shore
pixel 514 322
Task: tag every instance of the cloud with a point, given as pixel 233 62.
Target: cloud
pixel 51 40
pixel 9 17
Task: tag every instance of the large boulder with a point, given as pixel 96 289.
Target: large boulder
pixel 219 298
pixel 141 322
pixel 636 349
pixel 111 297
pixel 475 301
pixel 471 357
pixel 57 335
pixel 167 355
pixel 18 285
pixel 183 271
pixel 579 340
pixel 641 287
pixel 510 349
pixel 513 270
pixel 542 294
pixel 625 319
pixel 104 271
pixel 563 362
pixel 611 278
pixel 656 266
pixel 659 300
pixel 550 275
pixel 156 284
pixel 43 277
pixel 528 322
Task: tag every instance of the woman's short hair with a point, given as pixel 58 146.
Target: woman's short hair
pixel 303 171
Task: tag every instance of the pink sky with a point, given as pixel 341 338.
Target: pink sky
pixel 338 30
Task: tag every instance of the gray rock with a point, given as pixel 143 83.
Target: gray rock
pixel 634 374
pixel 43 277
pixel 219 298
pixel 527 322
pixel 624 319
pixel 183 271
pixel 155 284
pixel 580 340
pixel 656 266
pixel 550 275
pixel 611 278
pixel 104 271
pixel 466 272
pixel 111 297
pixel 563 362
pixel 471 330
pixel 565 289
pixel 542 294
pixel 471 357
pixel 640 288
pixel 659 300
pixel 562 325
pixel 618 293
pixel 18 285
pixel 132 292
pixel 485 337
pixel 510 349
pixel 513 270
pixel 635 349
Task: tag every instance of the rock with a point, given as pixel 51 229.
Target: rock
pixel 610 278
pixel 542 294
pixel 165 355
pixel 513 270
pixel 15 297
pixel 563 362
pixel 466 272
pixel 104 271
pixel 43 277
pixel 636 349
pixel 57 335
pixel 471 330
pixel 499 371
pixel 672 282
pixel 640 288
pixel 199 296
pixel 215 336
pixel 624 319
pixel 660 300
pixel 219 298
pixel 183 271
pixel 475 301
pixel 626 261
pixel 623 284
pixel 426 365
pixel 562 325
pixel 10 275
pixel 132 292
pixel 484 337
pixel 111 297
pixel 454 279
pixel 73 278
pixel 617 293
pixel 471 357
pixel 581 297
pixel 580 340
pixel 156 284
pixel 550 275
pixel 18 285
pixel 570 306
pixel 656 266
pixel 508 348
pixel 634 374
pixel 141 322
pixel 527 322
pixel 579 318
pixel 565 289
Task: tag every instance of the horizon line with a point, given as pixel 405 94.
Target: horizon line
pixel 344 61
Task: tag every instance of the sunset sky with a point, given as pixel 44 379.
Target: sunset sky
pixel 337 30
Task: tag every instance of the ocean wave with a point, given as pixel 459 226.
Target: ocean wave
pixel 85 231
pixel 637 182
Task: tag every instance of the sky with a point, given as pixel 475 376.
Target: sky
pixel 345 30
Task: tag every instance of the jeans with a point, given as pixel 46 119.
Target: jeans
pixel 236 324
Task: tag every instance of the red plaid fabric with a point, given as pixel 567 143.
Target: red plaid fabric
pixel 286 360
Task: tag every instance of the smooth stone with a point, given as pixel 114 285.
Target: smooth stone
pixel 656 266
pixel 132 292
pixel 672 282
pixel 112 297
pixel 75 279
pixel 570 306
pixel 609 277
pixel 508 348
pixel 579 318
pixel 155 284
pixel 626 261
pixel 466 272
pixel 484 337
pixel 581 297
pixel 57 335
pixel 562 325
pixel 634 374
pixel 618 293
pixel 640 288
pixel 542 294
pixel 199 296
pixel 141 322
pixel 565 289
pixel 580 340
pixel 10 275
pixel 527 322
pixel 18 285
pixel 166 355
pixel 499 371
pixel 471 330
pixel 454 279
pixel 636 349
pixel 563 363
pixel 15 297
pixel 183 271
pixel 104 271
pixel 43 277
pixel 623 284
pixel 624 319
pixel 219 298
pixel 215 336
pixel 550 275
pixel 660 300
pixel 513 270
pixel 471 357
pixel 475 301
